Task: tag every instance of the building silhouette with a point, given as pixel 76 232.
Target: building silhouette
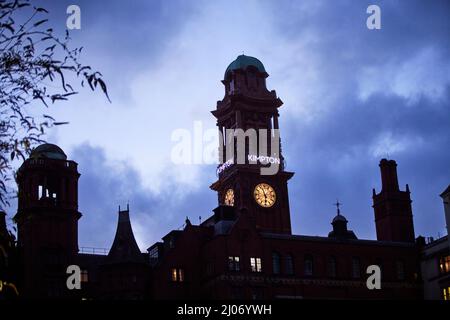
pixel 244 250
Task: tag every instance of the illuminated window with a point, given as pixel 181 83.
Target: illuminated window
pixel 84 276
pixel 444 264
pixel 41 192
pixel 276 263
pixel 289 264
pixel 174 275
pixel 400 266
pixel 255 264
pixel 177 275
pixel 332 267
pixel 233 263
pixel 356 268
pixel 446 293
pixel 180 275
pixel 308 266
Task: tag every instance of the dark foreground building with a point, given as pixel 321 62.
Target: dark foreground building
pixel 244 250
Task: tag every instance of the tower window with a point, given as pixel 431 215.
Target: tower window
pixel 177 275
pixel 41 192
pixel 356 268
pixel 276 263
pixel 233 263
pixel 308 265
pixel 255 264
pixel 232 86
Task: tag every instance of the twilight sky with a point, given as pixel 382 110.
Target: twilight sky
pixel 351 97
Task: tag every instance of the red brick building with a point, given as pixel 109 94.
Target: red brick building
pixel 245 250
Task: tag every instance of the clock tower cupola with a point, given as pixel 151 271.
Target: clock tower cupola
pixel 251 173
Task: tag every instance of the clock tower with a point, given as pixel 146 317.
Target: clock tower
pixel 251 177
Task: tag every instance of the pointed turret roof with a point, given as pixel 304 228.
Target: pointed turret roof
pixel 446 191
pixel 124 248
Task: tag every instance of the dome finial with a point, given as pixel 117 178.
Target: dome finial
pixel 338 204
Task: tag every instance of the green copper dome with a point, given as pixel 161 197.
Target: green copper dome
pixel 48 151
pixel 243 61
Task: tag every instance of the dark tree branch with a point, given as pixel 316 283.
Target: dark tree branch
pixel 31 57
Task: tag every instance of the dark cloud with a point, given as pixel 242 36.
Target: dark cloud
pixel 121 38
pixel 104 185
pixel 335 153
pixel 334 157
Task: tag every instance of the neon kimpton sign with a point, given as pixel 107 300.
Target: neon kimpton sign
pixel 263 159
pixel 250 146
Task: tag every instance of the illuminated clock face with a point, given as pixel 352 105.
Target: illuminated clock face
pixel 264 195
pixel 229 197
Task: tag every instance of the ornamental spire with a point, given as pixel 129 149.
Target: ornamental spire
pixel 338 204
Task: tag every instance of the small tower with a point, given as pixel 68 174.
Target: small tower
pixel 392 207
pixel 339 224
pixel 124 271
pixel 124 248
pixel 47 220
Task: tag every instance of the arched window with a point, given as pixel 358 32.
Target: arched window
pixel 276 263
pixel 332 267
pixel 289 264
pixel 308 265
